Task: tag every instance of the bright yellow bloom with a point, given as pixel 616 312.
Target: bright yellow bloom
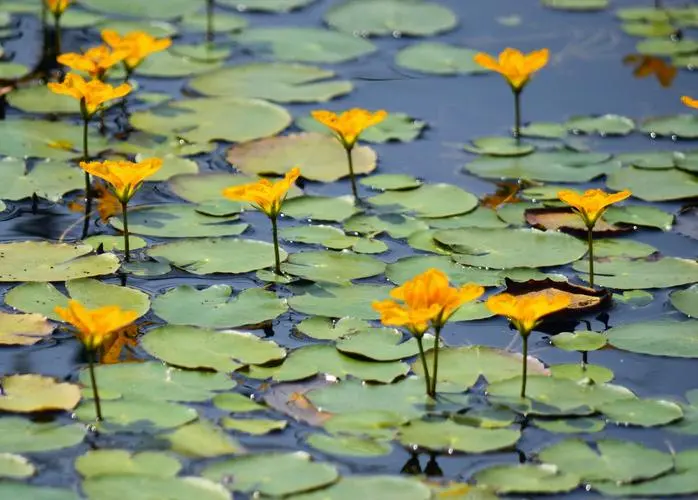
pixel 95 61
pixel 526 311
pixel 690 102
pixel 427 298
pixel 94 326
pixel 57 7
pixel 125 177
pixel 268 196
pixel 350 124
pixel 138 44
pixel 91 94
pixel 514 65
pixel 592 204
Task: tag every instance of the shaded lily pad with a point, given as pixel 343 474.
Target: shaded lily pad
pixel 23 329
pixel 390 182
pixel 322 208
pixel 215 307
pixel 447 436
pixel 338 301
pixel 655 185
pixel 47 261
pixel 579 341
pixel 253 426
pixel 499 146
pixel 380 344
pixel 396 127
pixel 266 5
pixel 49 179
pixel 280 82
pixel 137 414
pixel 396 225
pixel 97 463
pixel 683 126
pixel 686 301
pixel 640 215
pixel 20 435
pixel 34 393
pixel 603 125
pixel 642 412
pixel 332 267
pixel 431 200
pixel 203 439
pixel 391 17
pixel 319 156
pixel 439 59
pixel 526 478
pixel 136 487
pixel 658 338
pixel 197 348
pixel 627 274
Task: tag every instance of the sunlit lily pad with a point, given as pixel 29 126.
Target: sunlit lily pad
pixel 46 261
pixel 682 482
pixel 684 126
pixel 379 424
pixel 34 393
pixel 13 489
pixel 666 46
pixel 499 146
pixel 351 446
pixel 686 301
pixel 266 5
pixel 439 59
pixel 23 329
pixel 156 9
pixel 631 274
pixel 320 157
pixel 203 439
pixel 192 347
pixel 391 182
pixel 331 237
pixel 320 208
pixel 544 130
pixel 380 344
pixel 236 403
pixel 203 120
pixel 576 425
pixel 396 225
pixel 396 127
pixel 658 338
pixel 137 414
pixel 576 5
pixel 217 255
pixel 20 435
pixel 332 267
pixel 655 185
pixel 640 215
pixel 447 436
pixel 386 487
pixel 136 487
pixel 577 372
pixel 111 242
pixel 154 28
pixel 97 463
pixel 280 82
pixel 603 125
pixel 526 478
pixel 42 298
pixel 642 412
pixel 431 200
pixel 49 179
pixel 407 267
pixel 391 17
pixel 338 301
pixel 10 70
pixel 579 341
pixel 15 467
pixel 40 99
pixel 253 426
pixel 273 474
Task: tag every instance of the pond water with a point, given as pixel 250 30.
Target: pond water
pixel 350 401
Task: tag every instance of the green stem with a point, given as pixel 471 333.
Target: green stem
pixel 209 21
pixel 350 160
pixel 517 115
pixel 424 364
pixel 57 34
pixel 435 371
pixel 590 242
pixel 127 248
pixel 585 360
pixel 88 183
pixel 92 355
pixel 525 364
pixel 44 14
pixel 128 73
pixel 275 235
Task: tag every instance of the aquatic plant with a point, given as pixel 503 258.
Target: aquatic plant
pixel 347 127
pixel 138 44
pixel 689 101
pixel 57 8
pixel 590 206
pixel 525 312
pixel 93 328
pixel 517 69
pixel 268 197
pixel 95 61
pixel 426 300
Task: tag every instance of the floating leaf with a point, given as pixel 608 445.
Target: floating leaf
pixel 407 267
pixel 655 185
pixel 686 301
pixel 384 487
pixel 332 267
pixel 380 344
pixel 320 208
pixel 50 180
pixel 266 5
pixel 134 414
pixel 626 274
pixel 338 301
pixel 658 338
pixel 222 23
pixel 432 200
pixel 110 243
pixel 214 307
pixel 390 182
pixel 666 47
pixel 236 403
pixel 157 9
pixel 640 215
pixel 154 28
pixel 396 127
pixel 331 237
pixel 396 225
pixel 603 125
pixel 96 463
pixel 321 328
pixel 350 446
pixel 320 157
pixel 579 341
pixel 683 126
pixel 202 439
pixel 570 425
pixel 499 146
pixel 577 372
pixel 447 436
pixel 379 424
pixel 23 329
pixel 544 130
pixel 13 489
pixel 642 412
pixel 526 478
pixel 34 393
pixel 136 487
pixel 15 467
pixel 19 435
pixel 576 5
pixel 253 426
pixel 439 59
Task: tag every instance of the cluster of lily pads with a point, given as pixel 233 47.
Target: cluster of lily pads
pixel 197 373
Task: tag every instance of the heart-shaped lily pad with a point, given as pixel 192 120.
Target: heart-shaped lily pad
pixel 34 393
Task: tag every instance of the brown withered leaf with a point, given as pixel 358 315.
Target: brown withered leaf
pixel 106 203
pixel 565 219
pixel 115 349
pixel 290 399
pixel 582 299
pixel 507 192
pixel 646 66
pixel 23 329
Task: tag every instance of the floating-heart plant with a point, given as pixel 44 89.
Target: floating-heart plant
pixel 138 45
pixel 57 8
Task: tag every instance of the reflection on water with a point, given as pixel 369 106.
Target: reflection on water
pixel 647 66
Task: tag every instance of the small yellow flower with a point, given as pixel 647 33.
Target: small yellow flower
pixel 57 7
pixel 350 124
pixel 690 102
pixel 268 196
pixel 91 94
pixel 95 61
pixel 415 320
pixel 592 204
pixel 95 326
pixel 526 311
pixel 514 65
pixel 137 44
pixel 125 177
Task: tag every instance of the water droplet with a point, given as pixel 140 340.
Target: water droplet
pixel 397 34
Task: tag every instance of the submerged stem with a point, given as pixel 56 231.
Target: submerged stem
pixel 435 371
pixel 590 242
pixel 275 235
pixel 350 161
pixel 424 364
pixel 92 356
pixel 525 364
pixel 127 253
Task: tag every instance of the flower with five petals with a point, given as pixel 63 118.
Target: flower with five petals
pixel 92 95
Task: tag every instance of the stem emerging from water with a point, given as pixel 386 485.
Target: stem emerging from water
pixel 524 375
pixel 517 115
pixel 590 242
pixel 88 183
pixel 435 371
pixel 92 356
pixel 209 21
pixel 350 161
pixel 127 253
pixel 57 34
pixel 424 364
pixel 275 234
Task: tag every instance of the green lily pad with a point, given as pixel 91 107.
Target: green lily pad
pixel 43 298
pixel 137 414
pixel 41 100
pixel 396 127
pixel 320 328
pixel 526 478
pixel 49 179
pixel 640 215
pixel 206 119
pixel 642 412
pixel 236 403
pixel 499 146
pixel 338 301
pixel 439 59
pixel 391 17
pixel 627 274
pixel 253 426
pixel 608 247
pixel 197 348
pixel 320 208
pixel 96 463
pixel 653 160
pixel 311 45
pixel 682 482
pixel 396 225
pixel 136 487
pixel 266 5
pixel 603 125
pixel 407 267
pixel 23 329
pixel 320 157
pixel 576 425
pixel 331 237
pixel 280 82
pixel 378 424
pixel 686 301
pixel 635 298
pixel 202 439
pixel 214 307
pixel 350 446
pixel 657 338
pixel 480 217
pixel 273 474
pixel 544 130
pixel 507 248
pixel 579 341
pixel 35 393
pixel 156 28
pixel 666 47
pixel 217 255
pixel 447 436
pixel 111 243
pixel 13 489
pixel 222 22
pixel 385 487
pixel 15 466
pixel 576 5
pixel 682 126
pixel 577 372
pixel 157 9
pixel 46 261
pixel 332 267
pixel 390 182
pixel 380 344
pixel 20 435
pixel 655 185
pixel 204 52
pixel 431 200
pixel 613 460
pixel 9 70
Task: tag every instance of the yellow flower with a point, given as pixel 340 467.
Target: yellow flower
pixel 592 204
pixel 94 326
pixel 526 311
pixel 95 61
pixel 350 124
pixel 265 194
pixel 125 177
pixel 137 44
pixel 91 94
pixel 57 7
pixel 690 102
pixel 427 297
pixel 514 65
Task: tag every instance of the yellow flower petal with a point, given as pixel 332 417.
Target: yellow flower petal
pixel 526 311
pixel 125 177
pixel 138 45
pixel 94 326
pixel 515 66
pixel 690 102
pixel 350 124
pixel 592 204
pixel 92 95
pixel 266 195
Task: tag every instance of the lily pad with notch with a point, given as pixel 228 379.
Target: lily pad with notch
pixel 439 59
